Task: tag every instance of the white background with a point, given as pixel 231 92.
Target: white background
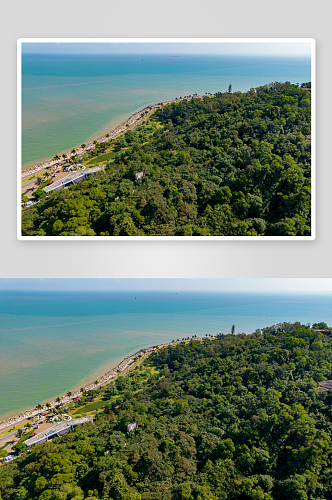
pixel 158 18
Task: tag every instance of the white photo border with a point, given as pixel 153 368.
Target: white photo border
pixel 310 41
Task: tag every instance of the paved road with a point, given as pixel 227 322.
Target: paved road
pixel 28 183
pixel 7 436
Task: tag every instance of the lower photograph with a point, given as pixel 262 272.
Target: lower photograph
pixel 133 389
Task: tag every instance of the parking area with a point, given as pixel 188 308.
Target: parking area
pixel 29 188
pixel 9 441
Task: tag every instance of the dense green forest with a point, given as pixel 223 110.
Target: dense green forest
pixel 230 417
pixel 232 164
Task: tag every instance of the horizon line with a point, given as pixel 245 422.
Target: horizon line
pixel 168 291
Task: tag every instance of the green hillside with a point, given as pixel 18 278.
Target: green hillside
pixel 232 417
pixel 231 165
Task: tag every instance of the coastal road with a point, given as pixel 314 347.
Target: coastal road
pixel 51 163
pixel 100 384
pixel 28 184
pixel 31 173
pixel 13 424
pixel 86 149
pixel 7 436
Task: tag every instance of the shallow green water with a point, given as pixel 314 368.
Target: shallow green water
pixel 53 342
pixel 67 100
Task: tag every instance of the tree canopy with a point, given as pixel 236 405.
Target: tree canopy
pixel 233 164
pixel 232 417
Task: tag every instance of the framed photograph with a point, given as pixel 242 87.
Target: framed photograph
pixel 166 139
pixel 135 374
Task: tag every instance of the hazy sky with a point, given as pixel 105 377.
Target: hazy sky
pixel 174 48
pixel 172 284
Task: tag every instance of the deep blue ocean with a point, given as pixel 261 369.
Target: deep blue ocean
pixel 53 342
pixel 67 100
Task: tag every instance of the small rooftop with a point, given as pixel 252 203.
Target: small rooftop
pixel 326 332
pixel 72 177
pixel 325 385
pixel 58 428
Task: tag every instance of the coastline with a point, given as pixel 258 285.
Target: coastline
pixel 110 375
pixel 123 127
pixel 132 120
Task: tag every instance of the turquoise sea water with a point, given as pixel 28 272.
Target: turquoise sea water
pixel 53 342
pixel 67 100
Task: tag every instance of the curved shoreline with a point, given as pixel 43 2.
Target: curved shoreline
pixel 134 118
pixel 103 380
pixel 130 122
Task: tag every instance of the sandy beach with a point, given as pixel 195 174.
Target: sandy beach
pixel 130 122
pixel 105 379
